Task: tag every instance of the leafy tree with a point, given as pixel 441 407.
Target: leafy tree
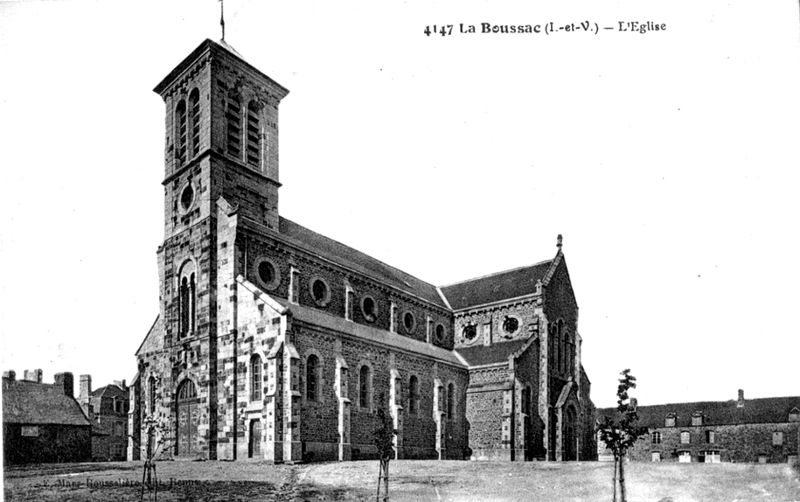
pixel 384 441
pixel 622 432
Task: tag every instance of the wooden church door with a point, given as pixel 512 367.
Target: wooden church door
pixel 188 418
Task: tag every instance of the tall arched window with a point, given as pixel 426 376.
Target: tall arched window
pixel 194 110
pixel 364 387
pixel 233 119
pixel 253 134
pixel 180 132
pixel 151 390
pixel 526 400
pixel 413 394
pixel 256 378
pixel 186 305
pixel 451 394
pixel 312 378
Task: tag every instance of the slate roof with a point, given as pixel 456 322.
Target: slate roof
pixel 755 411
pixel 495 287
pixel 39 404
pixel 347 256
pixel 495 353
pixel 210 45
pixel 108 391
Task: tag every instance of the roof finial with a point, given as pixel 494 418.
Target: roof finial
pixel 222 17
pixel 558 245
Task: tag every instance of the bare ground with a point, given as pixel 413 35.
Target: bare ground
pixel 416 481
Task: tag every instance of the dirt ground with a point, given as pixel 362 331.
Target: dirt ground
pixel 416 481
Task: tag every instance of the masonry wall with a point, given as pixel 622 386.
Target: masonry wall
pixel 560 304
pixel 284 257
pixel 588 450
pixel 489 322
pixel 53 444
pixel 528 426
pixel 319 421
pixel 485 412
pixel 736 443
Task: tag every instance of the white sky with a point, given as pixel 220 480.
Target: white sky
pixel 669 162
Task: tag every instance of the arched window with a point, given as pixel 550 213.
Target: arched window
pixel 151 389
pixel 233 120
pixel 561 342
pixel 194 110
pixel 451 394
pixel 186 305
pixel 312 378
pixel 253 134
pixel 256 378
pixel 180 132
pixel 413 395
pixel 187 390
pixel 364 388
pixel 526 400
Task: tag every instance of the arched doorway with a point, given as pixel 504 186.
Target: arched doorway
pixel 570 437
pixel 188 418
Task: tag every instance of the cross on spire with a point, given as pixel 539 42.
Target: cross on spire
pixel 222 17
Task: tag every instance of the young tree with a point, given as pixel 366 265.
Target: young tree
pixel 384 438
pixel 621 433
pixel 158 441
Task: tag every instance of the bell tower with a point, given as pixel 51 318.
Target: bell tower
pixel 221 142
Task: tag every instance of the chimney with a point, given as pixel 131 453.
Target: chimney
pixel 634 404
pixel 120 384
pixel 10 374
pixel 740 404
pixel 86 388
pixel 65 381
pixel 33 376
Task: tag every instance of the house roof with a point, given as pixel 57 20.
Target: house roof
pixel 755 411
pixel 39 404
pixel 109 391
pixel 491 354
pixel 347 256
pixel 496 287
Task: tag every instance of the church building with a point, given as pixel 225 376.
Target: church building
pixel 277 343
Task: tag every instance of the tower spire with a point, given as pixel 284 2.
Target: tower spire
pixel 222 17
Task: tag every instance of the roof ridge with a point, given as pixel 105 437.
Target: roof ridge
pixel 726 401
pixel 496 273
pixel 361 252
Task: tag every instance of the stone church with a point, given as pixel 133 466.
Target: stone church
pixel 275 342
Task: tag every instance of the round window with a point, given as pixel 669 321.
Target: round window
pixel 187 197
pixel 439 332
pixel 320 291
pixel 470 332
pixel 267 273
pixel 510 325
pixel 369 308
pixel 409 322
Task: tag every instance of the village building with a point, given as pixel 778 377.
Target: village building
pixel 275 342
pixel 43 423
pixel 765 430
pixel 107 409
